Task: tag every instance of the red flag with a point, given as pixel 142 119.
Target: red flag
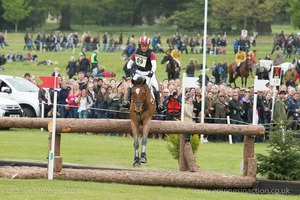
pixel 49 82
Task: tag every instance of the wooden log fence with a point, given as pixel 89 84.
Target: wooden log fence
pixel 158 127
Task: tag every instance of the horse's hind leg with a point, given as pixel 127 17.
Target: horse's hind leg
pixel 136 151
pixel 143 158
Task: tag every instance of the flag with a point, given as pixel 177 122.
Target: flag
pixel 49 82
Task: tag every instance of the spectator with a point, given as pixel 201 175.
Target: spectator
pixel 278 58
pixel 173 105
pixel 55 72
pixel 236 111
pixel 19 57
pixel 27 76
pixel 71 67
pixel 45 96
pixel 280 113
pixel 101 103
pixel 71 100
pixel 10 56
pixel 84 64
pixel 190 69
pixel 220 114
pixel 293 110
pixel 85 104
pixel 34 57
pixel 197 107
pixel 61 100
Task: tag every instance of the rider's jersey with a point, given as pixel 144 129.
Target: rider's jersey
pixel 143 59
pixel 240 56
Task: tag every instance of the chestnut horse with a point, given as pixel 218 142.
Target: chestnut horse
pixel 141 110
pixel 243 72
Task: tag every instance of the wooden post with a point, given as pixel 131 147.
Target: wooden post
pixel 249 154
pixel 189 157
pixel 57 157
pixel 182 161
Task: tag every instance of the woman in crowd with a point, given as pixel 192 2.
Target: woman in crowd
pixel 85 104
pixel 72 105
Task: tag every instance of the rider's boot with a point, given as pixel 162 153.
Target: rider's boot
pixel 159 106
pixel 126 103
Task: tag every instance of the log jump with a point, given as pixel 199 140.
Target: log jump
pixel 123 126
pixel 159 127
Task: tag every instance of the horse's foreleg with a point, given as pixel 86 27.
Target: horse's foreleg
pixel 143 158
pixel 146 127
pixel 136 147
pixel 136 162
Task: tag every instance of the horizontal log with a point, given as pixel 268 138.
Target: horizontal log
pixel 200 180
pixel 69 125
pixel 23 122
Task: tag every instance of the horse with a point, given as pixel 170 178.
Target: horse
pixel 296 63
pixel 243 72
pixel 263 69
pixel 141 109
pixel 171 66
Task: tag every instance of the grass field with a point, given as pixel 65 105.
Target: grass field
pixel 104 151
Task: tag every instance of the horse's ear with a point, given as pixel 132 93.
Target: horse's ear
pixel 144 81
pixel 132 81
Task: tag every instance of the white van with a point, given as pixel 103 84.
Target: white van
pixel 23 92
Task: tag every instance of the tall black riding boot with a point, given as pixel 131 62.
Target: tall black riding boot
pixel 157 101
pixel 127 102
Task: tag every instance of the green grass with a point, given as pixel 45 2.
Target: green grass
pixel 45 189
pixel 106 151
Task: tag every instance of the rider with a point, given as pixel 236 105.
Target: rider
pixel 176 54
pixel 239 58
pixel 253 60
pixel 144 59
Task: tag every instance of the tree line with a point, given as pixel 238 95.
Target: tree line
pixel 223 15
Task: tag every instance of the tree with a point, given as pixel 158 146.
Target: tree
pixel 15 11
pixel 283 160
pixel 40 11
pixel 190 17
pixel 65 21
pixel 294 11
pixel 250 14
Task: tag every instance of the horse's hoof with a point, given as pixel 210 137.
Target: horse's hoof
pixel 136 165
pixel 143 160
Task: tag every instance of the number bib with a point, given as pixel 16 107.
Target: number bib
pixel 140 60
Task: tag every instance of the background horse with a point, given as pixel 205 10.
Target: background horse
pixel 263 69
pixel 141 110
pixel 243 72
pixel 172 64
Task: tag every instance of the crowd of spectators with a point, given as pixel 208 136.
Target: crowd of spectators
pixel 90 97
pixel 289 44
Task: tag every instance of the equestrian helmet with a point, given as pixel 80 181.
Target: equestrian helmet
pixel 144 40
